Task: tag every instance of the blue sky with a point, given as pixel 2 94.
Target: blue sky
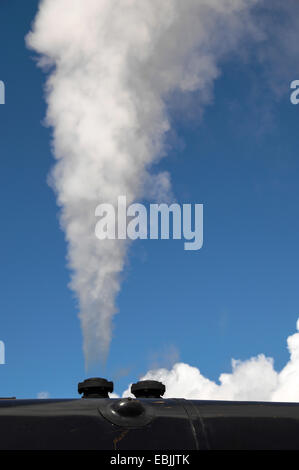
pixel 234 298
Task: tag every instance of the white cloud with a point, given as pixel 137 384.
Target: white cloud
pixel 43 395
pixel 254 379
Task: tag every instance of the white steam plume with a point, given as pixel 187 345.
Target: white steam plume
pixel 252 380
pixel 113 64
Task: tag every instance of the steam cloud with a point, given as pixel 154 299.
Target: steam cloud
pixel 113 67
pixel 252 380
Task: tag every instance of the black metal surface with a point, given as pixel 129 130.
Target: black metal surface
pixel 127 412
pixel 147 424
pixel 95 387
pixel 148 389
pixel 248 425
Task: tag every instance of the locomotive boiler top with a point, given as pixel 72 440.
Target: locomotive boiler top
pixel 145 423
